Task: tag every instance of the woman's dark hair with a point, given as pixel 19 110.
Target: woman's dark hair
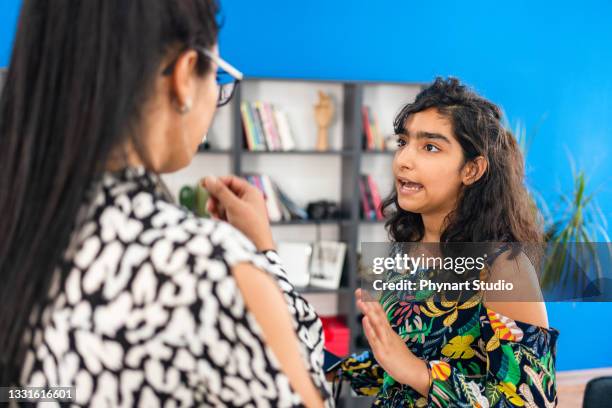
pixel 497 207
pixel 79 75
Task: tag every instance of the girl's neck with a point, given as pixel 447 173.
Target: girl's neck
pixel 432 224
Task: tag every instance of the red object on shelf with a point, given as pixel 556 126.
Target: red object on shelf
pixel 337 335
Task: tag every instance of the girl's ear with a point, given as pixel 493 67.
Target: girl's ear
pixel 473 170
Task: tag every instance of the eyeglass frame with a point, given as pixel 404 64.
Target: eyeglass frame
pixel 221 63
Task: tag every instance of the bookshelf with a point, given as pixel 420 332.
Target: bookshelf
pixel 306 174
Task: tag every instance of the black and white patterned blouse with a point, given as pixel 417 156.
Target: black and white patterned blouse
pixel 151 316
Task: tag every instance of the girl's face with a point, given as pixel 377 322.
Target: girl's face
pixel 428 165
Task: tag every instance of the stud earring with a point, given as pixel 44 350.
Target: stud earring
pixel 186 107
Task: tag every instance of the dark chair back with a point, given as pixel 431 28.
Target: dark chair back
pixel 598 393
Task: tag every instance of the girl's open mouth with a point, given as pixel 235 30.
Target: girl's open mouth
pixel 408 187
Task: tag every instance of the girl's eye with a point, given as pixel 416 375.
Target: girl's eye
pixel 400 142
pixel 431 148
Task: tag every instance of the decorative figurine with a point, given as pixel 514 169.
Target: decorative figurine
pixel 324 112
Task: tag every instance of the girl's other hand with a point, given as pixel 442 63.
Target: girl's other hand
pixel 389 349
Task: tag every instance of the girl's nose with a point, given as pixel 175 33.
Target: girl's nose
pixel 405 158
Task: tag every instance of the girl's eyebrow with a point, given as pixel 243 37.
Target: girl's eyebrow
pixel 435 136
pixel 429 135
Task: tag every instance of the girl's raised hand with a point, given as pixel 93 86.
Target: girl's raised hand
pixel 389 349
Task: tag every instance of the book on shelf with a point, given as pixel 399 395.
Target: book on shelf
pixel 368 194
pixel 269 132
pixel 271 127
pixel 266 127
pixel 371 203
pixel 272 202
pixel 368 141
pixel 248 125
pixel 295 211
pixel 284 129
pixel 378 138
pixel 280 207
pixel 375 197
pixel 372 138
pixel 366 214
pixel 260 140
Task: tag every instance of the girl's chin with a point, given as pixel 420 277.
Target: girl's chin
pixel 410 205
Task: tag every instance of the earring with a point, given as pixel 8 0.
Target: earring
pixel 186 107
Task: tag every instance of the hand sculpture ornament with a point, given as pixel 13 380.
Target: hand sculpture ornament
pixel 324 112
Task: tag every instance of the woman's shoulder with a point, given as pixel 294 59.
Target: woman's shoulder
pixel 131 205
pixel 126 224
pixel 200 236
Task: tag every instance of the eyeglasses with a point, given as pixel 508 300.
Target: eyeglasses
pixel 227 76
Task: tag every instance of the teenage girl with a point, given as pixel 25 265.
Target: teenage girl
pixel 458 178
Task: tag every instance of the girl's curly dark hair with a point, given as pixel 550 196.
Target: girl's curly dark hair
pixel 496 208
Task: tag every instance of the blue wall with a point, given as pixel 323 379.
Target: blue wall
pixel 9 10
pixel 545 59
pixel 537 59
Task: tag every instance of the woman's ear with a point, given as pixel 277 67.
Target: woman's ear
pixel 473 170
pixel 182 85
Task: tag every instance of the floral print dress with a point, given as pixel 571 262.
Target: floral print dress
pixel 476 357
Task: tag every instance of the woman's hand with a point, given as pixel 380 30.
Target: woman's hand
pixel 238 202
pixel 388 347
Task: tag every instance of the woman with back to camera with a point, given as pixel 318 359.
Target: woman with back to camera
pixel 106 285
pixel 458 179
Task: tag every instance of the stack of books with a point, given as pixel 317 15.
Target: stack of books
pixel 266 127
pixel 280 207
pixel 372 138
pixel 370 199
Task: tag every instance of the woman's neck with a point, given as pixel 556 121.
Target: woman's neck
pixel 122 156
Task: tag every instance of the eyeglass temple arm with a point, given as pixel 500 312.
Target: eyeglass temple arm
pixel 226 66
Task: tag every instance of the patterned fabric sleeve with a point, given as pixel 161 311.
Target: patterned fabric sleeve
pixel 363 373
pixel 306 322
pixel 306 318
pixel 521 368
